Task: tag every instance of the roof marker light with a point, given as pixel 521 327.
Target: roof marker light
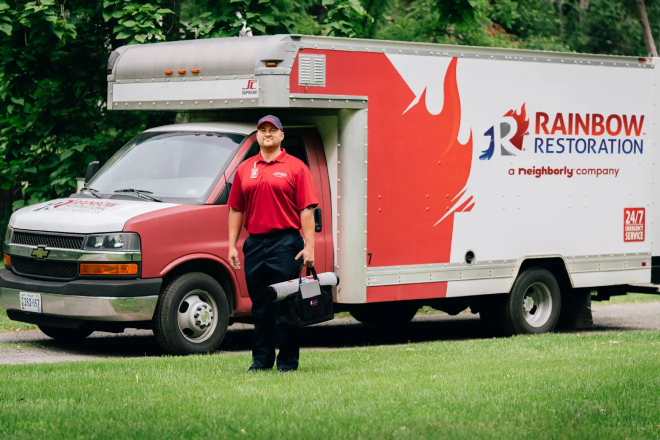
pixel 181 71
pixel 168 72
pixel 194 70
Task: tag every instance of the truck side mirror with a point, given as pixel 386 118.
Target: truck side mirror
pixel 318 222
pixel 92 169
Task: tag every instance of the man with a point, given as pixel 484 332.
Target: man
pixel 273 197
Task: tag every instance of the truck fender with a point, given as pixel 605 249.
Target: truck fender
pixel 203 256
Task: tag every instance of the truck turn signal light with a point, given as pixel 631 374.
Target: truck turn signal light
pixel 7 260
pixel 108 269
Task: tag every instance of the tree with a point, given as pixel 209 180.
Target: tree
pixel 646 29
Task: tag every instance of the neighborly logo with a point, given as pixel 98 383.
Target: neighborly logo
pixel 40 253
pixel 510 141
pixel 278 174
pixel 251 88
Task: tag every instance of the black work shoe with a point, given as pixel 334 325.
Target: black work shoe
pixel 251 369
pixel 286 370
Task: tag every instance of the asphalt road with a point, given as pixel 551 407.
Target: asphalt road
pixel 343 332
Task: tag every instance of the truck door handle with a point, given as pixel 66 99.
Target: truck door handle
pixel 318 222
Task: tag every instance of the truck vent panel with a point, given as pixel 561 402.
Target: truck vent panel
pixel 311 70
pixel 50 269
pixel 51 241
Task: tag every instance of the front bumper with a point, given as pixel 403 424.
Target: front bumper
pixel 93 300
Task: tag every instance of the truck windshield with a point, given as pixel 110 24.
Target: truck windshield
pixel 180 167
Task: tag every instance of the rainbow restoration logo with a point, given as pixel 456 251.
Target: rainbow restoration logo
pixel 566 133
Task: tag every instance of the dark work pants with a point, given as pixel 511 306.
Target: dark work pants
pixel 270 259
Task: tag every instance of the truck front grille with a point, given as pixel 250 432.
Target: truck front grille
pixel 48 240
pixel 50 269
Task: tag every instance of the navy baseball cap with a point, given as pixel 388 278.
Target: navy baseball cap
pixel 272 119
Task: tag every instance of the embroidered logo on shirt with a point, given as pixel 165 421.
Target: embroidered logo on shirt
pixel 278 174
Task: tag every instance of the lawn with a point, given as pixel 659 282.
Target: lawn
pixel 548 386
pixel 7 325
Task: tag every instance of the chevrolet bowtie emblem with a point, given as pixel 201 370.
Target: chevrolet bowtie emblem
pixel 40 253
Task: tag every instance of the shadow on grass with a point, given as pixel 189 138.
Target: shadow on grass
pixel 341 333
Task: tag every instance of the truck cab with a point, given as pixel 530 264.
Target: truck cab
pixel 153 215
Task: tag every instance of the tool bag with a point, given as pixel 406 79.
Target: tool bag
pixel 305 309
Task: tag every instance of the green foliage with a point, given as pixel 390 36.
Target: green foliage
pixel 136 23
pixel 53 115
pixel 53 94
pixel 344 18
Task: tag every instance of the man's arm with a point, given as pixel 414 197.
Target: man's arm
pixel 235 224
pixel 307 221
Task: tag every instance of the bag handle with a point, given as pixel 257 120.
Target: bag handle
pixel 309 270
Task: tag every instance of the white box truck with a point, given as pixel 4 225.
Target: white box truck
pixel 515 183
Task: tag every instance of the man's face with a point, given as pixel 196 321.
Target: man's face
pixel 269 136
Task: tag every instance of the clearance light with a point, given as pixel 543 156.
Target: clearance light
pixel 182 71
pixel 7 260
pixel 271 64
pixel 109 71
pixel 643 263
pixel 168 72
pixel 642 60
pixel 194 70
pixel 109 269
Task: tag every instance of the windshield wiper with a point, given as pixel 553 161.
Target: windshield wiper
pixel 142 193
pixel 95 192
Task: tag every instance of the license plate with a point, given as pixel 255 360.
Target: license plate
pixel 30 302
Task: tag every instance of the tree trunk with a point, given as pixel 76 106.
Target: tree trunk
pixel 646 28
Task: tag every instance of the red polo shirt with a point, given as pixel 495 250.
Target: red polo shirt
pixel 272 194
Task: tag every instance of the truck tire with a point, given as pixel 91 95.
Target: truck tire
pixel 384 314
pixel 66 334
pixel 533 305
pixel 192 315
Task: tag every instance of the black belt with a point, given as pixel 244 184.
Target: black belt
pixel 277 233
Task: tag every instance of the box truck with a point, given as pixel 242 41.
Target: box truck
pixel 514 183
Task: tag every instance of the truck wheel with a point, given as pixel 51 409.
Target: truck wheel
pixel 384 314
pixel 66 334
pixel 533 304
pixel 192 315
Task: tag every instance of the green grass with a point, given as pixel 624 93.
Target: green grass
pixel 629 299
pixel 548 386
pixel 7 325
pixel 20 345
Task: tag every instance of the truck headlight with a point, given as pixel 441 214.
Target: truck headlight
pixel 124 241
pixel 9 234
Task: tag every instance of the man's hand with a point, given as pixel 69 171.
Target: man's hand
pixel 308 256
pixel 233 258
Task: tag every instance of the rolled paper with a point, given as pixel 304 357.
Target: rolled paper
pixel 279 291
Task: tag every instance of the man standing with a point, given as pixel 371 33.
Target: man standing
pixel 273 197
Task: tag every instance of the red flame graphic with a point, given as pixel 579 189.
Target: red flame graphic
pixel 522 122
pixel 416 166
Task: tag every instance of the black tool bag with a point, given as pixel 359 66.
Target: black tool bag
pixel 312 310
